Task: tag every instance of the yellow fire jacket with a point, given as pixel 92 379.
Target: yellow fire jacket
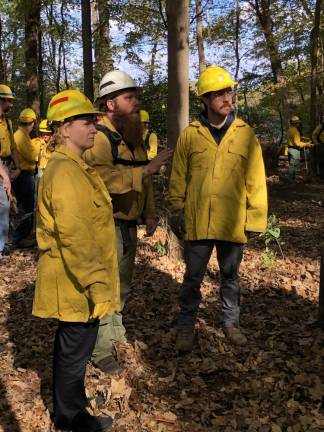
pixel 131 193
pixel 44 154
pixel 7 141
pixel 294 138
pixel 150 144
pixel 76 237
pixel 222 188
pixel 28 149
pixel 318 138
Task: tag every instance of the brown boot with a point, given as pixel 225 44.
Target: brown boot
pixel 185 340
pixel 235 335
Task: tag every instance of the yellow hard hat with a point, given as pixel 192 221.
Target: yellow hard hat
pixel 294 119
pixel 68 104
pixel 214 78
pixel 44 128
pixel 6 92
pixel 27 115
pixel 145 118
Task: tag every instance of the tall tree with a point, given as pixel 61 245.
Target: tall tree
pixel 2 70
pixel 200 38
pixel 32 28
pixel 87 48
pixel 314 55
pixel 178 68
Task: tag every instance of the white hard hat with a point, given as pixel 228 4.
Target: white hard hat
pixel 114 81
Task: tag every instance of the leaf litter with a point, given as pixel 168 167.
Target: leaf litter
pixel 275 383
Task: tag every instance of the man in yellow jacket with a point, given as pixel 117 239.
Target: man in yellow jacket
pixel 8 155
pixel 42 142
pixel 24 186
pixel 217 195
pixel 120 159
pixel 318 140
pixel 295 143
pixel 150 139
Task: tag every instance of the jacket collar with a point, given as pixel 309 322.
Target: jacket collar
pixel 63 149
pixel 204 130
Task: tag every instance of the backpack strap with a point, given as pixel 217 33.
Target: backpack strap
pixel 115 139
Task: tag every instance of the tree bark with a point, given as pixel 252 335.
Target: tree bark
pixel 2 69
pixel 101 26
pixel 178 84
pixel 32 27
pixel 87 48
pixel 200 38
pixel 314 55
pixel 178 68
pixel 262 9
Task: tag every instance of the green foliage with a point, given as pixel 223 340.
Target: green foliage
pixel 271 237
pixel 160 248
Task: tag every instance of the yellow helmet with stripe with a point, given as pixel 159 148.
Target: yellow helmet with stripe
pixel 68 105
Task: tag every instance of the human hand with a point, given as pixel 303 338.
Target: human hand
pixel 6 184
pixel 155 164
pixel 151 225
pixel 15 173
pixel 177 223
pixel 101 310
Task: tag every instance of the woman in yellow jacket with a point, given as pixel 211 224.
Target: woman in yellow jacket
pixel 77 280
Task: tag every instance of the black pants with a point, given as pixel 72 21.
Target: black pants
pixel 197 255
pixel 24 187
pixel 74 343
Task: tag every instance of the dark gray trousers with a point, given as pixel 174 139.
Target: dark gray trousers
pixel 197 255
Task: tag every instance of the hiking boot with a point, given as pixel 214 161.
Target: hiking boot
pixel 85 422
pixel 109 366
pixel 235 335
pixel 185 340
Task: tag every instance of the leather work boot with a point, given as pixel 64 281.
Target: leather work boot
pixel 185 340
pixel 109 366
pixel 235 335
pixel 85 422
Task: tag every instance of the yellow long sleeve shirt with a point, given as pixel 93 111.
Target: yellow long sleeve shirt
pixel 28 149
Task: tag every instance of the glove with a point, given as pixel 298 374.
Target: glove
pixel 177 224
pixel 101 310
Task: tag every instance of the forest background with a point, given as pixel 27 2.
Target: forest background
pixel 275 49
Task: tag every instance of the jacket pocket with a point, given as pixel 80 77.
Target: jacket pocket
pixel 199 159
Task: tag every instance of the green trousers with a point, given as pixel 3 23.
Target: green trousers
pixel 111 328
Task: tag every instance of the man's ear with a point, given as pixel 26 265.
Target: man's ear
pixel 110 103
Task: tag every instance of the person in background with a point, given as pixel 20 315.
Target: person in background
pixel 8 156
pixel 217 197
pixel 43 143
pixel 119 158
pixel 77 279
pixel 24 186
pixel 295 143
pixel 150 139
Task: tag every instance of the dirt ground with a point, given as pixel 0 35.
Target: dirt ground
pixel 275 383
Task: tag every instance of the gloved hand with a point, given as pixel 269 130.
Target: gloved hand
pixel 101 310
pixel 151 225
pixel 176 222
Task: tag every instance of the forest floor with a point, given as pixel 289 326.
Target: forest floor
pixel 274 383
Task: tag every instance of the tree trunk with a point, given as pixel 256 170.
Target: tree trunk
pixel 101 28
pixel 2 69
pixel 87 48
pixel 237 38
pixel 314 54
pixel 152 65
pixel 262 8
pixel 32 27
pixel 200 38
pixel 178 68
pixel 178 83
pixel 41 76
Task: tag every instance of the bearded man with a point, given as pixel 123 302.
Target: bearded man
pixel 120 159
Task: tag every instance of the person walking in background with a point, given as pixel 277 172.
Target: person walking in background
pixel 217 196
pixel 150 139
pixel 77 280
pixel 8 155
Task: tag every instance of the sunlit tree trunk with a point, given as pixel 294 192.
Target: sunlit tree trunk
pixel 200 38
pixel 32 27
pixel 87 48
pixel 2 68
